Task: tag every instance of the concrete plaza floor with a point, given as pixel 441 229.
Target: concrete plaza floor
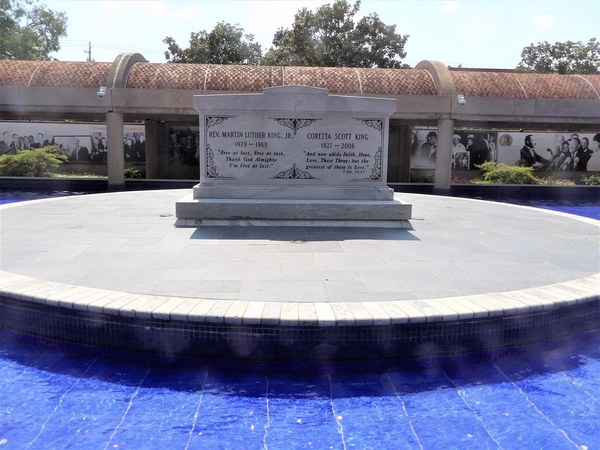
pixel 121 253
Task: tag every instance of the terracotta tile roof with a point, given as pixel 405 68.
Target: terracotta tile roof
pixel 487 84
pixel 242 78
pixel 594 81
pixel 203 77
pixel 557 86
pixel 166 76
pixel 397 82
pixel 53 73
pixel 526 85
pixel 255 79
pixel 336 80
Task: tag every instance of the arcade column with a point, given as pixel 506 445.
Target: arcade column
pixel 399 144
pixel 116 151
pixel 151 129
pixel 443 156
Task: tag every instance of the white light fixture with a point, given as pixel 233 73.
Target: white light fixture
pixel 461 99
pixel 101 92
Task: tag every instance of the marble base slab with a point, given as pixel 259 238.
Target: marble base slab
pixel 324 212
pixel 195 223
pixel 298 192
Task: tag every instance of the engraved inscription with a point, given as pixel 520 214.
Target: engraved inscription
pixel 256 148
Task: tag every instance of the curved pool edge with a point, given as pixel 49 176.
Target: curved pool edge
pixel 337 331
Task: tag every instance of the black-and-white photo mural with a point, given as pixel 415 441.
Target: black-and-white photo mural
pixel 543 151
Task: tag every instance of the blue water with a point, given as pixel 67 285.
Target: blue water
pixel 585 210
pixel 591 211
pixel 55 396
pixel 543 397
pixel 18 196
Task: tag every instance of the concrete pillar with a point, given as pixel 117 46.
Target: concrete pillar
pixel 151 129
pixel 394 150
pixel 163 141
pixel 443 156
pixel 405 153
pixel 399 148
pixel 116 152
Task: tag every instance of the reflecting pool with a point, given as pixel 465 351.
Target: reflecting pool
pixel 55 396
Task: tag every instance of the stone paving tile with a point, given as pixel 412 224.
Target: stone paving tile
pixel 243 270
pixel 325 314
pixel 253 313
pixel 163 310
pixel 463 258
pixel 108 245
pixel 512 271
pixel 370 296
pixel 182 310
pixel 442 292
pixel 272 313
pixel 310 246
pixel 350 261
pixel 283 291
pixel 235 313
pixel 129 280
pixel 307 314
pixel 343 314
pixel 226 289
pixel 463 309
pixel 267 250
pixel 214 252
pixel 288 272
pixel 378 313
pixel 184 274
pixel 170 261
pixel 98 305
pixel 410 311
pixel 361 314
pixel 29 289
pixel 289 313
pixel 201 309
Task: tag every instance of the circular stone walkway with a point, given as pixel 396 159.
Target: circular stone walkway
pixel 121 254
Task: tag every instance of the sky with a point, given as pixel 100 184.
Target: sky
pixel 472 33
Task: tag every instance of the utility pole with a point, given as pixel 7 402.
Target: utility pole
pixel 89 52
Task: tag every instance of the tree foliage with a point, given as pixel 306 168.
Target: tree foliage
pixel 39 162
pixel 500 173
pixel 562 57
pixel 330 37
pixel 225 44
pixel 29 30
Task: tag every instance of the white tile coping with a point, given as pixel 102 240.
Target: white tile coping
pixel 323 314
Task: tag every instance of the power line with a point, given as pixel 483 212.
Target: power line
pixel 70 43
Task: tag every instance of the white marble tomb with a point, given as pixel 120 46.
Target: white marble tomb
pixel 293 155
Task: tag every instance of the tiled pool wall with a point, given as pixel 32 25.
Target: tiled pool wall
pixel 280 343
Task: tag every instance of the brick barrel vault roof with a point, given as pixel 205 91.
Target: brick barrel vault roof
pixel 336 80
pixel 526 85
pixel 53 74
pixel 256 78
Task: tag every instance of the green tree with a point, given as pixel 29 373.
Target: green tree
pixel 562 57
pixel 330 37
pixel 225 44
pixel 29 30
pixel 500 173
pixel 39 162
